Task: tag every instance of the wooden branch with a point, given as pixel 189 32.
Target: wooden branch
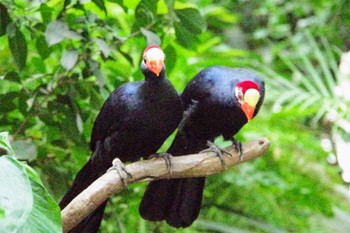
pixel 196 165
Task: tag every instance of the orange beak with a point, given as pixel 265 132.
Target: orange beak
pixel 156 66
pixel 248 110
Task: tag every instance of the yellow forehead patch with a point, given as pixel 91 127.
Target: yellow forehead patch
pixel 251 97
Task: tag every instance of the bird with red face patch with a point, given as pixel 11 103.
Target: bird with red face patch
pixel 133 122
pixel 217 101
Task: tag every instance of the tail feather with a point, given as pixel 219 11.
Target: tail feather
pixel 177 201
pixel 91 223
pixel 155 200
pixel 86 176
pixel 82 180
pixel 186 202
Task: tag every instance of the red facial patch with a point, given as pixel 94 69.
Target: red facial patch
pixel 151 47
pixel 245 85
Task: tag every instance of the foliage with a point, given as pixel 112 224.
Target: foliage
pixel 25 204
pixel 59 60
pixel 311 87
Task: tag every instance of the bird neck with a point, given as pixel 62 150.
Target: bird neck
pixel 151 77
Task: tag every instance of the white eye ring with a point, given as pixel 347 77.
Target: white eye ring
pixel 239 93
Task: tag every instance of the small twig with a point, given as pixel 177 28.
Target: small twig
pixel 196 165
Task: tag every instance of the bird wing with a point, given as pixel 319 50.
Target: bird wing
pixel 115 108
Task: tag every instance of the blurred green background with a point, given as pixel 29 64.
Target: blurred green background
pixel 59 60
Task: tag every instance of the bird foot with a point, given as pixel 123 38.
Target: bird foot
pixel 166 157
pixel 218 151
pixel 121 170
pixel 238 146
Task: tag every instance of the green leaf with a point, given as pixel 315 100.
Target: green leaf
pixel 57 31
pixel 191 20
pixel 2 213
pixel 95 68
pixel 151 37
pixel 100 4
pixel 126 56
pixel 46 12
pixel 7 102
pixel 46 214
pixel 12 76
pixel 185 38
pixel 323 60
pixel 189 25
pixel 170 58
pixel 10 86
pixel 145 13
pixel 5 143
pixel 42 47
pixel 16 195
pixel 120 3
pixel 27 205
pixel 103 47
pixel 69 59
pixel 79 122
pixel 25 149
pixel 4 19
pixel 18 45
pixel 170 3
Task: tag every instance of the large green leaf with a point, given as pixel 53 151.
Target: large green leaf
pixel 185 37
pixel 189 25
pixel 145 13
pixel 27 205
pixel 45 216
pixel 18 45
pixel 16 197
pixel 4 19
pixel 192 20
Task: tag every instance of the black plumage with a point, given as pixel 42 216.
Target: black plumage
pixel 134 122
pixel 215 103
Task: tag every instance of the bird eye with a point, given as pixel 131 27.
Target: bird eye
pixel 144 60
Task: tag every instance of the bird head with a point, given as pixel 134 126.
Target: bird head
pixel 153 59
pixel 248 95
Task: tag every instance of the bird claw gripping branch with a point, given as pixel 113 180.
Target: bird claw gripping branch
pixel 121 170
pixel 238 146
pixel 218 151
pixel 166 157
